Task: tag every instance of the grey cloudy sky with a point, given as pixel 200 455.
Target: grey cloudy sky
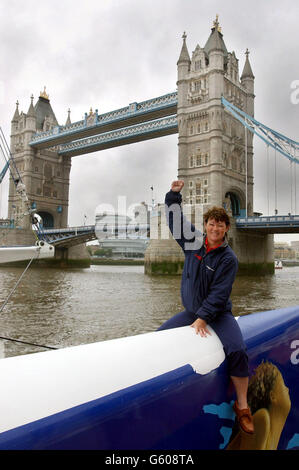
pixel 106 54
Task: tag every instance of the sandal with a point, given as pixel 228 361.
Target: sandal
pixel 244 419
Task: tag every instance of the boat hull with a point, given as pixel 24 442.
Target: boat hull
pixel 161 390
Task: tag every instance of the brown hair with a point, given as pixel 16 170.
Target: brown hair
pixel 260 386
pixel 218 214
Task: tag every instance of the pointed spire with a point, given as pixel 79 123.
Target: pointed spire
pixel 215 41
pixel 184 55
pixel 31 110
pixel 247 71
pixel 68 121
pixel 16 114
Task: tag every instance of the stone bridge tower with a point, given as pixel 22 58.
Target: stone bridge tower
pixel 213 150
pixel 212 141
pixel 44 173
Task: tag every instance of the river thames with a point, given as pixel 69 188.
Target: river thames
pixel 62 308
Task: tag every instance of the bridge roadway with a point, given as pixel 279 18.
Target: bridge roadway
pixel 71 236
pixel 124 136
pixel 269 224
pixel 95 124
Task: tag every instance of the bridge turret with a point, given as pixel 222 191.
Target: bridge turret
pixel 217 55
pixel 15 120
pixel 247 81
pixel 31 117
pixel 183 65
pixel 184 60
pixel 68 121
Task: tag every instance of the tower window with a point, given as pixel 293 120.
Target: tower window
pixel 234 163
pixel 198 189
pixel 48 171
pixel 47 191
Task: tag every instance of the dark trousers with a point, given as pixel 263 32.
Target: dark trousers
pixel 229 333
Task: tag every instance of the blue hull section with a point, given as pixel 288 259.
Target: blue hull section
pixel 180 409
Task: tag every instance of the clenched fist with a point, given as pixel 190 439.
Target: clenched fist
pixel 177 186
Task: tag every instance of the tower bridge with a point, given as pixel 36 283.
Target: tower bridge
pixel 213 113
pixel 95 124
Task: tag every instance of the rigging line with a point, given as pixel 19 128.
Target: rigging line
pixel 268 189
pixel 5 303
pixel 291 174
pixel 9 158
pixel 246 173
pixel 295 169
pixel 26 342
pixel 275 183
pixel 295 191
pixel 17 283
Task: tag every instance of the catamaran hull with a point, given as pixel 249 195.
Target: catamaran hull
pixel 160 390
pixel 11 254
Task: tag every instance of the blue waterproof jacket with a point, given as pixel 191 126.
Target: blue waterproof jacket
pixel 207 278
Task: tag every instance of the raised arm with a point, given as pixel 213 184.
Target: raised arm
pixel 183 231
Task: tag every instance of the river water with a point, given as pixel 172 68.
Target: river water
pixel 63 308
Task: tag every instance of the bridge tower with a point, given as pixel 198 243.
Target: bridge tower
pixel 44 173
pixel 211 142
pixel 213 152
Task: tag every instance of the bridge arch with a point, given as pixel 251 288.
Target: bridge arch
pixel 234 202
pixel 47 219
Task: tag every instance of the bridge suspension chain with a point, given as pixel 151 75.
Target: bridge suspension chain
pixel 286 146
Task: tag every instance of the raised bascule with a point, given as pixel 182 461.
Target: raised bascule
pixel 213 113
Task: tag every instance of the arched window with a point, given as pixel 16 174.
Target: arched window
pixel 235 203
pixel 47 219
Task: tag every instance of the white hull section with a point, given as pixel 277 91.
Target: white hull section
pixel 22 253
pixel 41 384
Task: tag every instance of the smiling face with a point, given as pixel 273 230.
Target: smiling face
pixel 215 232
